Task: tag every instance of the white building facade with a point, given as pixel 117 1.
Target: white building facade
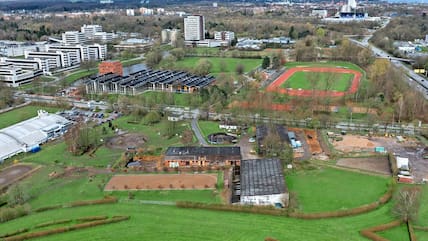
pixel 194 28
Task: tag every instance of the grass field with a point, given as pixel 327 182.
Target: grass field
pixel 209 127
pixel 324 64
pixel 327 189
pixel 229 64
pixel 21 114
pixel 56 153
pixel 155 222
pixel 156 133
pixel 78 75
pixel 180 99
pixel 302 80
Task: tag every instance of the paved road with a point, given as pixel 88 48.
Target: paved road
pixel 197 131
pixel 416 81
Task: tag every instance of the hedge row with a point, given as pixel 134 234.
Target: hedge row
pixel 19 231
pixel 420 228
pixel 270 210
pixel 66 229
pixel 92 218
pixel 9 213
pixel 106 200
pixel 370 233
pixel 62 221
pixel 47 208
pixel 412 234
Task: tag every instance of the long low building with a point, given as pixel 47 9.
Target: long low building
pixel 147 79
pixel 30 134
pixel 261 182
pixel 193 156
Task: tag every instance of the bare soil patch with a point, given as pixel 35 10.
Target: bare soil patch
pixel 10 175
pixel 373 164
pixel 161 182
pixel 351 143
pixel 313 142
pixel 126 140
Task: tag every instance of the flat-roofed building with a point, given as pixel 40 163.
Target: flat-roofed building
pixel 73 37
pixel 14 76
pixel 262 183
pixel 30 134
pixel 194 28
pixel 90 30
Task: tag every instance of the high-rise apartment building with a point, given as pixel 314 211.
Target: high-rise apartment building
pixel 194 28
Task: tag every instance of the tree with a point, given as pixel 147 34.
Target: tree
pixel 187 137
pixel 6 96
pixel 203 67
pixel 154 57
pixel 81 138
pixel 240 69
pixel 266 62
pixel 152 117
pixel 88 64
pixel 407 202
pixel 178 53
pixel 17 195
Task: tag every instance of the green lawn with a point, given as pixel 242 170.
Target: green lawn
pixel 69 79
pixel 21 114
pixel 57 153
pixel 322 81
pixel 328 189
pixel 180 99
pixel 324 64
pixel 156 134
pixel 155 222
pixel 229 64
pixel 209 127
pixel 396 234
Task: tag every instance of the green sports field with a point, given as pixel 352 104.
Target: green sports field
pixel 228 63
pixel 319 81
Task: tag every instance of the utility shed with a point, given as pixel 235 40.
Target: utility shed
pixel 263 183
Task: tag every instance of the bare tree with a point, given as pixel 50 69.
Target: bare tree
pixel 407 202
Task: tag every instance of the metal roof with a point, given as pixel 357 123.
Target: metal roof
pixel 203 151
pixel 262 177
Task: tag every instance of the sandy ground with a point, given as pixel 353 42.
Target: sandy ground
pixel 373 164
pixel 126 140
pixel 12 174
pixel 162 181
pixel 352 143
pixel 246 148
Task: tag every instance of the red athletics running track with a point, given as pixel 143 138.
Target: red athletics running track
pixel 276 85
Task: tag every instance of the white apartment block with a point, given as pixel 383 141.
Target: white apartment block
pixel 25 64
pixel 90 30
pixel 130 12
pixel 76 53
pixel 194 28
pixel 146 11
pixel 50 60
pixel 73 37
pixel 104 37
pixel 169 35
pixel 97 51
pixel 14 76
pixel 224 36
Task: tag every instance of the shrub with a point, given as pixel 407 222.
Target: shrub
pixel 9 213
pixel 105 200
pixel 270 210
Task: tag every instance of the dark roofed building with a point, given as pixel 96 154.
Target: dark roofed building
pixel 193 156
pixel 262 182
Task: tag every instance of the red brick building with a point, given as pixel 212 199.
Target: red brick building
pixel 110 67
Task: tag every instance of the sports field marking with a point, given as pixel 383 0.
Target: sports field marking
pixel 275 86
